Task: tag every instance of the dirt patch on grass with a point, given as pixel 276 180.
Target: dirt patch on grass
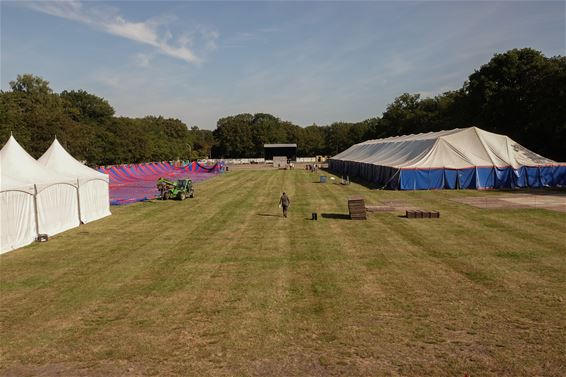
pixel 553 202
pixel 94 369
pixel 391 206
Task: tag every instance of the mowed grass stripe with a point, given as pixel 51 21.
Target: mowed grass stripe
pixel 419 234
pixel 101 275
pixel 223 285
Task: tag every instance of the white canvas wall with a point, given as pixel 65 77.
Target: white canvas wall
pixel 94 199
pixel 56 193
pixel 93 185
pixel 57 208
pixel 17 220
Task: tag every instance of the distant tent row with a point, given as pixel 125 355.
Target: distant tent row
pixel 46 196
pixel 468 158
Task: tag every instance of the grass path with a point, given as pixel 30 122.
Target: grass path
pixel 222 285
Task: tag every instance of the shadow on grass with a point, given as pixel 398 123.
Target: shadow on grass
pixel 267 215
pixel 338 216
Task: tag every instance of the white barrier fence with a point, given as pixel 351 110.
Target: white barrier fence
pixel 306 159
pixel 241 161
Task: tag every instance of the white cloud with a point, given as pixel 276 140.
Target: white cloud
pixel 71 10
pixel 142 60
pixel 108 20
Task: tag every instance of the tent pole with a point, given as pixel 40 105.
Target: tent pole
pixel 35 210
pixel 79 200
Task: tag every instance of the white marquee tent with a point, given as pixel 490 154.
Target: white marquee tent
pixel 17 213
pixel 94 202
pixel 458 158
pixel 35 199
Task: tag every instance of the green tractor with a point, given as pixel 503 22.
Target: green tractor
pixel 181 189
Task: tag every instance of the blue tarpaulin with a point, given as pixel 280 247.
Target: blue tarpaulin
pixel 482 178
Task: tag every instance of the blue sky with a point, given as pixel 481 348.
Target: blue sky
pixel 307 62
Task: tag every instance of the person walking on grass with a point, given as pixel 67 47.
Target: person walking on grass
pixel 284 202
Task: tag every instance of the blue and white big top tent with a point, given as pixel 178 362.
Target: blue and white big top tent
pixel 467 158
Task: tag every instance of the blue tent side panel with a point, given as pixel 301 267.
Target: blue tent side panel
pixel 427 179
pixel 519 178
pixel 450 179
pixel 559 173
pixel 423 179
pixel 503 177
pixel 547 175
pixel 533 176
pixel 436 179
pixel 408 180
pixel 467 178
pixel 485 178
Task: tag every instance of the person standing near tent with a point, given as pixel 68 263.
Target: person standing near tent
pixel 284 202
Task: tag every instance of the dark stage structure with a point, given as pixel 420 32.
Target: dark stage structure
pixel 287 150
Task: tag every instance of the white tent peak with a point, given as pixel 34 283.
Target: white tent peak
pixel 12 146
pixel 58 159
pixel 17 164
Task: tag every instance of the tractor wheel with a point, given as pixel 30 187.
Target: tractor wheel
pixel 192 195
pixel 166 195
pixel 182 196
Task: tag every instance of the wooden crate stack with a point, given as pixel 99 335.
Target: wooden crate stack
pixel 357 207
pixel 418 214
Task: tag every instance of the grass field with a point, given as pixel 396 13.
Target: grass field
pixel 222 285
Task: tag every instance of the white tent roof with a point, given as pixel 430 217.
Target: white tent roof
pixel 58 159
pixel 9 183
pixel 453 149
pixel 17 167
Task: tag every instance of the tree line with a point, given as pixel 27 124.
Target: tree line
pixel 520 93
pixel 87 127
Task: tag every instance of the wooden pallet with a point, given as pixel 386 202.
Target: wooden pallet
pixel 357 208
pixel 419 214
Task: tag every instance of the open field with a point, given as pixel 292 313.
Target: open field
pixel 222 285
pixel 548 200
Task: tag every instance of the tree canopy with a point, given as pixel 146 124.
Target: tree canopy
pixel 85 124
pixel 520 93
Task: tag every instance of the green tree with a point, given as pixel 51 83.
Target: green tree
pixel 30 84
pixel 201 142
pixel 85 107
pixel 522 93
pixel 33 113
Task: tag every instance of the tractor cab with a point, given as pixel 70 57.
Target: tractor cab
pixel 182 184
pixel 180 189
